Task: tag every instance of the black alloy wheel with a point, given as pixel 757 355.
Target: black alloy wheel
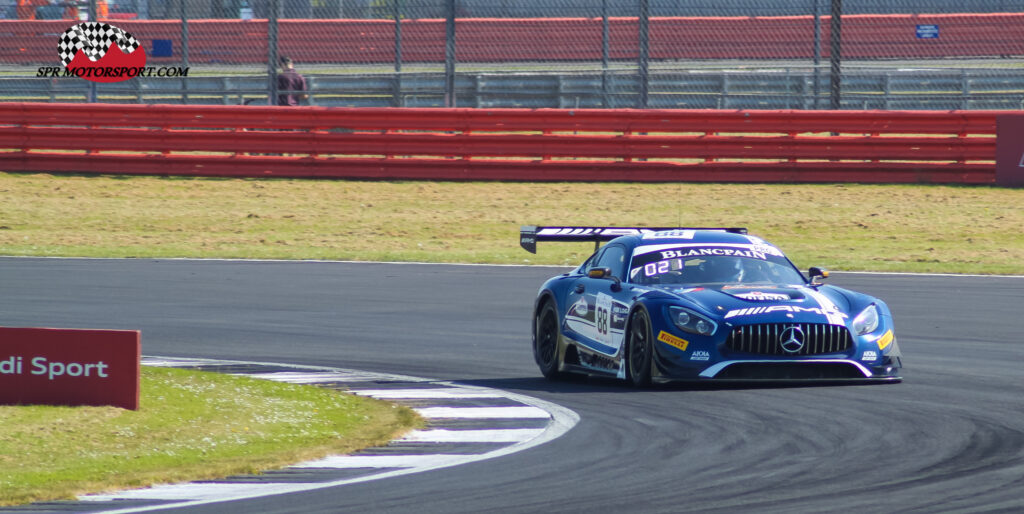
pixel 640 349
pixel 545 349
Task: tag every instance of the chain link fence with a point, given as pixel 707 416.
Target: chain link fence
pixel 794 54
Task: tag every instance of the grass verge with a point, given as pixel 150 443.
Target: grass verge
pixel 190 426
pixel 911 228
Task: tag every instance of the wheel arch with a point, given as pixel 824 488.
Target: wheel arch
pixel 638 306
pixel 546 296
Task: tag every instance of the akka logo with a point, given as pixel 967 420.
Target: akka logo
pixel 100 52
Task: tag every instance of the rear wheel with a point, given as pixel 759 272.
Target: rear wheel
pixel 640 349
pixel 545 349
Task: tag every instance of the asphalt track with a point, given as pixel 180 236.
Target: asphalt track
pixel 950 438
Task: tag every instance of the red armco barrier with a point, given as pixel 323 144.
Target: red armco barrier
pixel 1010 150
pixel 501 144
pixel 70 367
pixel 865 36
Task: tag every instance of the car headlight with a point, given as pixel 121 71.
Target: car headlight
pixel 690 321
pixel 867 321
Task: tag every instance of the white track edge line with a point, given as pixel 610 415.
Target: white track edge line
pixel 562 420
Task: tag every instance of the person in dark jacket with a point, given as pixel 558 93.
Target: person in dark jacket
pixel 290 80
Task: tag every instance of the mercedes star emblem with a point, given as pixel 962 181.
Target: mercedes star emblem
pixel 792 339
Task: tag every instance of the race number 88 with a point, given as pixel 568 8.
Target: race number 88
pixel 602 320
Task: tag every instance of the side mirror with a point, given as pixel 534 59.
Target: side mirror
pixel 607 274
pixel 818 275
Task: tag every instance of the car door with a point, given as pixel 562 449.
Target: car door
pixel 597 307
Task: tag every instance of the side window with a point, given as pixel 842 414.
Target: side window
pixel 613 257
pixel 589 263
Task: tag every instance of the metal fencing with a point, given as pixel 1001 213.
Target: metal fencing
pixel 800 54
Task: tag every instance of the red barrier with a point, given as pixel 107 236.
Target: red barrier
pixel 865 36
pixel 505 119
pixel 512 145
pixel 501 144
pixel 1010 150
pixel 70 367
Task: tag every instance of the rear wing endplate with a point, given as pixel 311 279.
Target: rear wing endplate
pixel 529 235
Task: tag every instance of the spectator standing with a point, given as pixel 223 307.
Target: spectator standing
pixel 290 80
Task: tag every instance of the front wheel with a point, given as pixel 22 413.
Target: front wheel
pixel 545 349
pixel 640 348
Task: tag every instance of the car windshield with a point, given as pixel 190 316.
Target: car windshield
pixel 694 265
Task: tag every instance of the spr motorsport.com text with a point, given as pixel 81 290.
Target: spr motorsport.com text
pixel 113 71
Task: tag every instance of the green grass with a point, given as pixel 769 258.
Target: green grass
pixel 190 426
pixel 912 228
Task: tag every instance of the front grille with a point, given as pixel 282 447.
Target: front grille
pixel 768 339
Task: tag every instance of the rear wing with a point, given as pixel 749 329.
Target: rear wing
pixel 529 235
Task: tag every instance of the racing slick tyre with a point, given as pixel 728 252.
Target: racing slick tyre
pixel 639 348
pixel 545 346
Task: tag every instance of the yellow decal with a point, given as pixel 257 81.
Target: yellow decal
pixel 884 341
pixel 672 340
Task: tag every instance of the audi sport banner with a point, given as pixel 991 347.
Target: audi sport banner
pixel 1010 150
pixel 70 367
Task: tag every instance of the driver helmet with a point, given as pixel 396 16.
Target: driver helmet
pixel 724 269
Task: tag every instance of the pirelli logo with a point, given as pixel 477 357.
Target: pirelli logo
pixel 885 340
pixel 672 340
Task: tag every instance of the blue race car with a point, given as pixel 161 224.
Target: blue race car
pixel 665 304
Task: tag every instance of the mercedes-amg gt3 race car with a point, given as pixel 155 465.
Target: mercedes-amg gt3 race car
pixel 665 304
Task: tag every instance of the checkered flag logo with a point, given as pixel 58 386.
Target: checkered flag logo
pixel 94 39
